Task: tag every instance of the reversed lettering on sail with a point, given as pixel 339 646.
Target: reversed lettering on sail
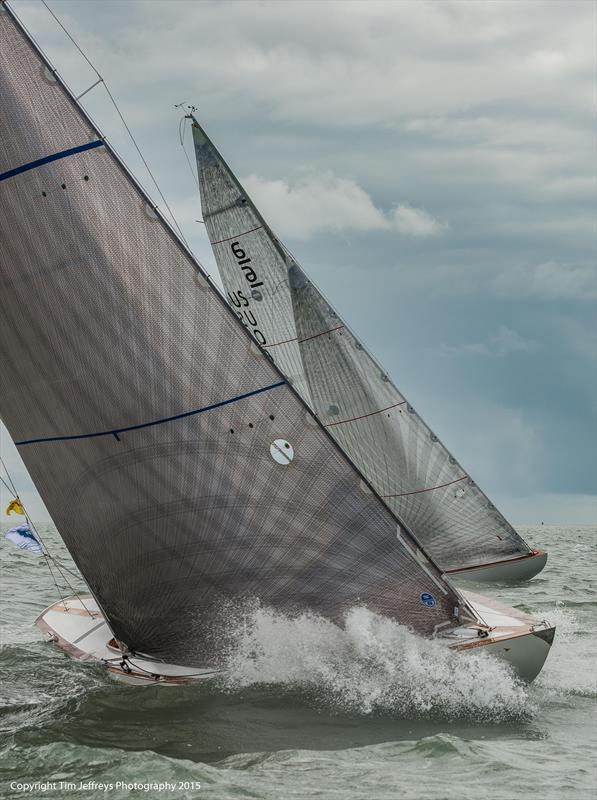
pixel 250 261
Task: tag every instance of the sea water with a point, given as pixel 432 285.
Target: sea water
pixel 307 709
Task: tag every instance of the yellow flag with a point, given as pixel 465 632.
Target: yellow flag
pixel 15 505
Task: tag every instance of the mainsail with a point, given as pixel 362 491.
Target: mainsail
pixel 352 396
pixel 181 469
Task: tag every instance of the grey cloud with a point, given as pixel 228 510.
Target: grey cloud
pixel 324 202
pixel 504 342
pixel 477 114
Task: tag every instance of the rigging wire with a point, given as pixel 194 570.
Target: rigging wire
pixel 49 558
pixel 157 675
pixel 122 119
pixel 181 132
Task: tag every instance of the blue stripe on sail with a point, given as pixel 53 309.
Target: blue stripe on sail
pixel 116 431
pixel 48 159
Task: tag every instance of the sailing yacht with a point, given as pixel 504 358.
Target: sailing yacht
pixel 182 466
pixel 352 395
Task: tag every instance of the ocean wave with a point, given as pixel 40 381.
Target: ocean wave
pixel 371 665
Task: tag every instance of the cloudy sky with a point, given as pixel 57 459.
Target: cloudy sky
pixel 431 164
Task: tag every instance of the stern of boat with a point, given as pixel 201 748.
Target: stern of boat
pixel 511 570
pixel 77 626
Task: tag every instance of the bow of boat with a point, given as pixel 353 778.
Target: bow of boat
pixel 507 633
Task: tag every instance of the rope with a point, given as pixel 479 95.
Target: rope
pixel 46 554
pixel 307 339
pixel 122 119
pixel 181 130
pixel 6 486
pixel 157 675
pixel 238 235
pixel 122 660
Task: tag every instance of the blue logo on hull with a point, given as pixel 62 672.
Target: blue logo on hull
pixel 428 600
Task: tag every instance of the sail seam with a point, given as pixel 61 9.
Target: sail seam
pixel 48 159
pixel 116 431
pixel 430 489
pixel 300 341
pixel 238 235
pixel 363 416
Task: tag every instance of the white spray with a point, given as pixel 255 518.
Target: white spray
pixel 370 665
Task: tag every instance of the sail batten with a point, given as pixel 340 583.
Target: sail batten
pixel 107 317
pixel 39 162
pixel 152 423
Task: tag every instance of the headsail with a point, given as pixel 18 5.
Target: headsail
pixel 355 400
pixel 147 417
pixel 252 264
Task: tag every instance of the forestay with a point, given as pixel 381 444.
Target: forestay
pixel 149 420
pixel 352 396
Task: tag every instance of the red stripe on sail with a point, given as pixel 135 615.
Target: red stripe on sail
pixel 372 413
pixel 430 489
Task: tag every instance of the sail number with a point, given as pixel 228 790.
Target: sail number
pixel 239 300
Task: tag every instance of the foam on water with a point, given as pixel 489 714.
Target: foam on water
pixel 371 665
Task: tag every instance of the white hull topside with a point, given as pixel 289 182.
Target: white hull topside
pixel 511 570
pixel 77 626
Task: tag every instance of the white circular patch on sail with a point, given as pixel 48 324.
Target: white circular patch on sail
pixel 282 451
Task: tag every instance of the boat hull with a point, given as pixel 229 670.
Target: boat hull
pixel 77 626
pixel 509 634
pixel 513 570
pixel 526 653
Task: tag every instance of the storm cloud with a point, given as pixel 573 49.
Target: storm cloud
pixel 432 166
